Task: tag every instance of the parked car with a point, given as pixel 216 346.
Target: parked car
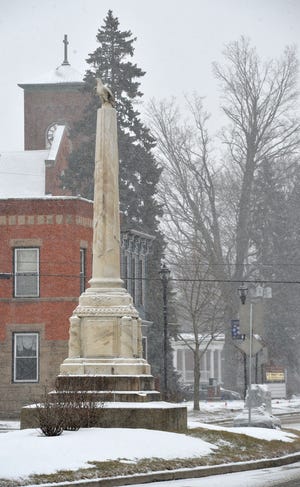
pixel 188 392
pixel 227 395
pixel 205 393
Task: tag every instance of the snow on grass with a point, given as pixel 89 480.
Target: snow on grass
pixel 27 452
pixel 259 433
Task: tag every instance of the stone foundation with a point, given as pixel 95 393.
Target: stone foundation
pixel 114 401
pixel 105 382
pixel 160 416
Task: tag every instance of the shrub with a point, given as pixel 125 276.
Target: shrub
pixel 67 409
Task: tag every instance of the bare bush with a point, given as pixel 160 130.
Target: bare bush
pixel 70 407
pixel 50 417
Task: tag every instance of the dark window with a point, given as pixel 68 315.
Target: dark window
pixel 145 347
pixel 189 360
pixel 125 271
pixel 26 357
pixel 26 264
pixel 133 283
pixel 180 360
pixel 139 284
pixel 82 270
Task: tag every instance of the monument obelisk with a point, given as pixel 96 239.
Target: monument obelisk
pixel 105 329
pixel 105 361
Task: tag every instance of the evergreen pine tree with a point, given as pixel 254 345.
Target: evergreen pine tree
pixel 139 172
pixel 276 238
pixel 284 321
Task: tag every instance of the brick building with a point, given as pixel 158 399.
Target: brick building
pixel 46 248
pixel 46 243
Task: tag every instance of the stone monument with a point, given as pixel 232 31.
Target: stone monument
pixel 105 329
pixel 105 344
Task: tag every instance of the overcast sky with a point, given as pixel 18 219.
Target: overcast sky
pixel 177 41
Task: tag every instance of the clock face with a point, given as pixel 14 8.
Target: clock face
pixel 50 134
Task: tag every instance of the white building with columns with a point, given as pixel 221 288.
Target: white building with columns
pixel 210 362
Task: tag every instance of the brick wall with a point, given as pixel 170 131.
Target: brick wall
pixel 59 227
pixel 45 104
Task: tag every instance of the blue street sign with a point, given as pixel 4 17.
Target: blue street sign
pixel 235 330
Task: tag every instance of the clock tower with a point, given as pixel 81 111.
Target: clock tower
pixel 54 99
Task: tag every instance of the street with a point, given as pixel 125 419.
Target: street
pixel 286 476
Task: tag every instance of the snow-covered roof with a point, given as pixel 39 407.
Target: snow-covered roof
pixel 22 174
pixel 62 74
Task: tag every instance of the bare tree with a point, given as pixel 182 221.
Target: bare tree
pixel 199 307
pixel 259 103
pixel 208 201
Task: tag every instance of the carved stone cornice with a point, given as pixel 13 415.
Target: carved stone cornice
pixel 106 311
pixel 88 299
pixel 136 243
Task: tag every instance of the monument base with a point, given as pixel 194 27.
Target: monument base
pixel 111 388
pixel 110 401
pixel 154 415
pixel 98 366
pixel 105 377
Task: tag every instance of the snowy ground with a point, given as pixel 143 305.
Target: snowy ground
pixel 73 450
pixel 214 411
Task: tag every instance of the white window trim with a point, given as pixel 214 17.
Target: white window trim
pixel 16 273
pixel 15 335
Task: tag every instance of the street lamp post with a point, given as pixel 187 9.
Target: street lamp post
pixel 164 275
pixel 243 291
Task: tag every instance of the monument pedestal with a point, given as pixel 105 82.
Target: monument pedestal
pixel 105 335
pixel 96 366
pixel 105 368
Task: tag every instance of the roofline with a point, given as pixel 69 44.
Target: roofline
pixel 47 85
pixel 45 197
pixel 138 233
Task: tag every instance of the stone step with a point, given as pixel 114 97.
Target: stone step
pixel 109 383
pixel 104 396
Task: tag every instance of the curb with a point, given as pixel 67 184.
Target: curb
pixel 185 473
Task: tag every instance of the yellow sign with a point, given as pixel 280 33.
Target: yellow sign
pixel 275 376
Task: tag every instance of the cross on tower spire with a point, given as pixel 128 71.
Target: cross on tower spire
pixel 66 42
